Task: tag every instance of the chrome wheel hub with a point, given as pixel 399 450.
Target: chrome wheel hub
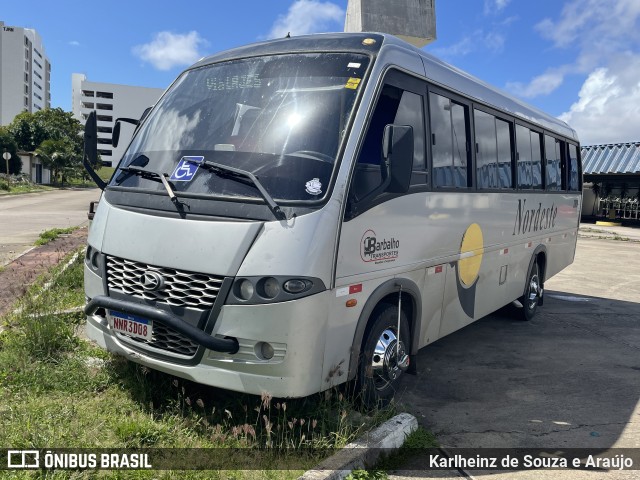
pixel 389 359
pixel 534 292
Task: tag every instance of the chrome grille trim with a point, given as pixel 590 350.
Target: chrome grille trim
pixel 182 288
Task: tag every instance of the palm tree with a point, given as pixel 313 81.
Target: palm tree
pixel 57 156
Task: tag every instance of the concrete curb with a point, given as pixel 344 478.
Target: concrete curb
pixel 364 452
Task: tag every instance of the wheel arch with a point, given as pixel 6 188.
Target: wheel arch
pixel 382 294
pixel 539 255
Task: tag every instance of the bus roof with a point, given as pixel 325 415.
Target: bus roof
pixel 437 71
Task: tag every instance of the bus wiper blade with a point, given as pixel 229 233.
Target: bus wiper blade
pixel 151 175
pixel 233 172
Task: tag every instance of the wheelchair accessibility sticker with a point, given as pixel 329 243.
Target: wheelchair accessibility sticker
pixel 186 169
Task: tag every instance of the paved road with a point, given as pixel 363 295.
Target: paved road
pixel 568 378
pixel 24 217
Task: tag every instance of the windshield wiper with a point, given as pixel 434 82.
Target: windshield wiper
pixel 155 176
pixel 151 175
pixel 232 172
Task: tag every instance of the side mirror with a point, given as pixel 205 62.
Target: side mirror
pixel 90 157
pixel 115 136
pixel 397 156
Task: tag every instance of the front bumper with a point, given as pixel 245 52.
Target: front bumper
pixel 295 329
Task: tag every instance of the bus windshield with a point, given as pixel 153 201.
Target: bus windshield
pixel 280 117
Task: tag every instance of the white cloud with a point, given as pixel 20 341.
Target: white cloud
pixel 595 23
pixel 495 6
pixel 168 50
pixel 598 30
pixel 540 85
pixel 74 43
pixel 478 40
pixel 608 108
pixel 308 16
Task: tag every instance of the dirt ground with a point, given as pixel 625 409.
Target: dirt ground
pixel 16 277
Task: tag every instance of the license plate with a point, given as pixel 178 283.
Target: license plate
pixel 130 325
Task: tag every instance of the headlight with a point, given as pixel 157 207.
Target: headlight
pixel 270 288
pixel 94 260
pixel 296 285
pixel 256 290
pixel 245 289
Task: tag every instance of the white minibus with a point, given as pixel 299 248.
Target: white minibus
pixel 299 213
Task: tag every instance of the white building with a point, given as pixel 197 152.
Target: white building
pixel 25 73
pixel 110 101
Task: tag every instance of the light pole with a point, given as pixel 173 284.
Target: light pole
pixel 7 156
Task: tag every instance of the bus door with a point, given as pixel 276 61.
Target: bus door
pixel 387 235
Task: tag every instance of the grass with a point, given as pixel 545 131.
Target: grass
pixel 50 235
pixel 105 173
pixel 60 391
pixel 19 188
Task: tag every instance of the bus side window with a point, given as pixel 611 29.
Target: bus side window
pixel 536 160
pixel 553 161
pixel 573 170
pixel 449 141
pixel 493 151
pixel 523 142
pixel 529 158
pixel 398 107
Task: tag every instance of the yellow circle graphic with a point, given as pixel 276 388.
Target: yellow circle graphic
pixel 471 252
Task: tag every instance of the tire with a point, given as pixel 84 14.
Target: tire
pixel 532 294
pixel 378 373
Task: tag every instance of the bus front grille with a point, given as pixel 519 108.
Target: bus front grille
pixel 166 339
pixel 180 288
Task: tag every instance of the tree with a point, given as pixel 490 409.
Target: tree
pixel 61 158
pixel 7 143
pixel 31 129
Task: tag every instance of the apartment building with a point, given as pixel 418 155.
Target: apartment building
pixel 110 101
pixel 25 72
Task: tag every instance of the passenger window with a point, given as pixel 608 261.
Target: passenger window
pixel 529 158
pixel 398 107
pixel 523 141
pixel 536 160
pixel 505 149
pixel 493 151
pixel 553 161
pixel 574 171
pixel 449 142
pixel 486 150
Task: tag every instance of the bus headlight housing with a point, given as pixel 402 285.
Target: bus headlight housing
pixel 94 260
pixel 257 290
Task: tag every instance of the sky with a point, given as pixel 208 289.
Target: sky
pixel 576 59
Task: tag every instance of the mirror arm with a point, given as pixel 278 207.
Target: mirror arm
pixel 132 121
pixel 90 154
pixel 92 173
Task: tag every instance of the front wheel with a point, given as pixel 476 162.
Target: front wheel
pixel 383 359
pixel 532 294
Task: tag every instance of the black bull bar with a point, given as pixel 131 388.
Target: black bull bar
pixel 225 345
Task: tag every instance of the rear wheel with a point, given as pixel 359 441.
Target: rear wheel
pixel 384 357
pixel 532 294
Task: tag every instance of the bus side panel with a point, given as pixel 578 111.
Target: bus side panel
pixel 481 243
pixel 432 304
